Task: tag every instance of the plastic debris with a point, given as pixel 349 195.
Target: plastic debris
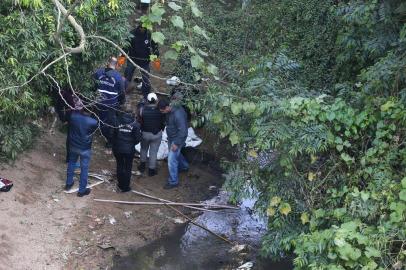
pixel 238 248
pixel 246 266
pixel 5 185
pixel 112 220
pixel 128 214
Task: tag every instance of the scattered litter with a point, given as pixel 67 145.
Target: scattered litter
pixel 112 220
pixel 179 220
pixel 5 185
pixel 128 214
pixel 136 173
pixel 211 188
pixel 238 248
pixel 54 154
pixel 105 246
pixel 106 172
pixel 246 266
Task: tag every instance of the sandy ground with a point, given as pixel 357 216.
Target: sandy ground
pixel 41 227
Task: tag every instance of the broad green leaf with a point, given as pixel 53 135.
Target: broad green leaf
pixel 158 37
pixel 174 6
pixel 275 201
pixel 217 117
pixel 234 138
pixel 304 217
pixel 171 55
pixel 270 212
pixel 198 30
pixel 311 176
pixel 212 69
pixel 285 209
pixel 177 21
pixel 372 252
pixel 195 9
pixel 178 45
pixel 404 182
pixel 252 153
pixel 389 104
pixel 197 61
pixel 236 108
pixel 402 195
pixel 364 196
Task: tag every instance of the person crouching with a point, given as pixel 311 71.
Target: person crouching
pixel 152 125
pixel 126 135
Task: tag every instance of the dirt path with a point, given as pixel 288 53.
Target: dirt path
pixel 43 228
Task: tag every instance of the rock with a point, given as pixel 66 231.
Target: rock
pixel 105 246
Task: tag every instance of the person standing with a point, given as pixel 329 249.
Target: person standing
pixel 141 48
pixel 81 129
pixel 177 130
pixel 152 125
pixel 111 94
pixel 126 136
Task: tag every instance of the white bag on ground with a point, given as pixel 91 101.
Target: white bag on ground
pixel 192 140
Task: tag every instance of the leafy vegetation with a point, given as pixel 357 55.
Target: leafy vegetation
pixel 319 89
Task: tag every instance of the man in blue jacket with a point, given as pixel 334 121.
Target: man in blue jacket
pixel 177 130
pixel 111 94
pixel 81 129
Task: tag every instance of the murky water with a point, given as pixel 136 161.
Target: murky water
pixel 191 247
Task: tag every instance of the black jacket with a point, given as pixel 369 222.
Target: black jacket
pixel 176 126
pixel 142 46
pixel 126 135
pixel 152 120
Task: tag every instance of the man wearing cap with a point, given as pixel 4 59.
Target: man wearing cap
pixel 152 124
pixel 81 129
pixel 177 130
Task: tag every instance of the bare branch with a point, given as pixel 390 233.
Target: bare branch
pixel 78 28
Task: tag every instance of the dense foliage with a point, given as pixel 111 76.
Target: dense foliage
pixel 312 96
pixel 27 42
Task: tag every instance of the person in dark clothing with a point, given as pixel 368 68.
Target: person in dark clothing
pixel 177 130
pixel 152 125
pixel 140 50
pixel 111 94
pixel 126 136
pixel 81 129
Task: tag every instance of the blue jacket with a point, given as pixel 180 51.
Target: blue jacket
pixel 81 128
pixel 110 86
pixel 176 126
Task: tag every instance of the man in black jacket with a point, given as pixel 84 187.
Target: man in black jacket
pixel 152 125
pixel 141 48
pixel 126 136
pixel 177 131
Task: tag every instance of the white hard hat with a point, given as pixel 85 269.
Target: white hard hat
pixel 152 97
pixel 146 1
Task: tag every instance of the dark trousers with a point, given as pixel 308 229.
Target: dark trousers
pixel 107 115
pixel 146 84
pixel 124 167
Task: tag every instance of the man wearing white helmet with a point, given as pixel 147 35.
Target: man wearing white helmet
pixel 152 124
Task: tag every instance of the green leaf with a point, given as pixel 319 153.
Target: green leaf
pixel 339 147
pixel 304 217
pixel 236 108
pixel 158 37
pixel 171 55
pixel 195 9
pixel 403 182
pixel 217 117
pixel 178 45
pixel 285 209
pixel 402 195
pixel 212 69
pixel 197 61
pixel 234 138
pixel 275 201
pixel 177 21
pixel 364 196
pixel 389 104
pixel 198 30
pixel 174 6
pixel 372 252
